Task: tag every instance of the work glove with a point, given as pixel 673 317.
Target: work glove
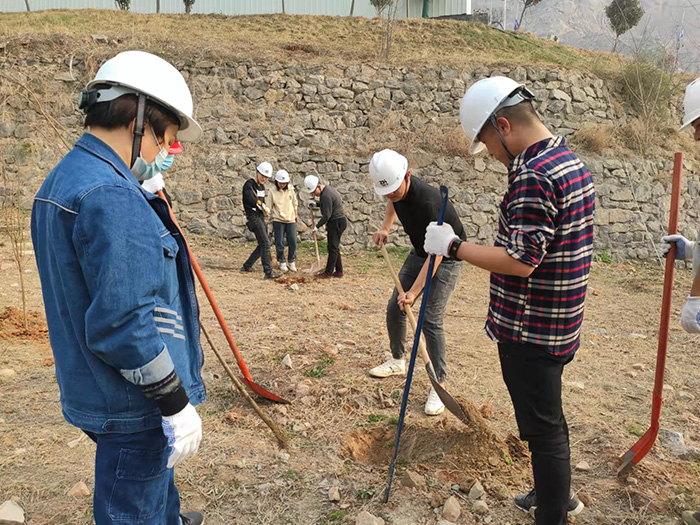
pixel 312 204
pixel 266 210
pixel 314 230
pixel 684 247
pixel 183 432
pixel 438 239
pixel 154 184
pixel 690 314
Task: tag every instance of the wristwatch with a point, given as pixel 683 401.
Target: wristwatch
pixel 454 247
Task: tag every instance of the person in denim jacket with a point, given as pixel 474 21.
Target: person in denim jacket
pixel 119 292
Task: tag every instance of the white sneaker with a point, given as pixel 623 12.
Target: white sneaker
pixel 393 367
pixel 293 266
pixel 434 406
pixel 283 267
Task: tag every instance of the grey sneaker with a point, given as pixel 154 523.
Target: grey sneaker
pixel 192 518
pixel 528 503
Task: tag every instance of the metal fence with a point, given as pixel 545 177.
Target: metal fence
pixel 410 8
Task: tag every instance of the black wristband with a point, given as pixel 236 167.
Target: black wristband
pixel 172 403
pixel 454 247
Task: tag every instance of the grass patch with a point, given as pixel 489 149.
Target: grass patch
pixel 365 494
pixel 336 516
pixel 319 370
pixel 376 418
pixel 291 474
pixel 603 257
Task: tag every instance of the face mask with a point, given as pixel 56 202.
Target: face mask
pixel 143 171
pixel 167 162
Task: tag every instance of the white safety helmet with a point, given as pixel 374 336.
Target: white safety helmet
pixel 265 169
pixel 691 104
pixel 282 176
pixel 485 98
pixel 136 72
pixel 387 170
pixel 310 183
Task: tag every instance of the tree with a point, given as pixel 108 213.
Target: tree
pixel 14 221
pixel 387 10
pixel 527 4
pixel 623 15
pixel 26 2
pixel 188 6
pixel 123 5
pixel 157 6
pixel 352 7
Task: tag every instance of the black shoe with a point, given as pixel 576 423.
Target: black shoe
pixel 273 275
pixel 528 503
pixel 192 518
pixel 245 270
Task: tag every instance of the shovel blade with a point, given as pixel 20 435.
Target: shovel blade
pixel 640 449
pixel 450 402
pixel 263 392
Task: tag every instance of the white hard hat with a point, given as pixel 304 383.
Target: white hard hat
pixel 691 104
pixel 387 170
pixel 265 169
pixel 482 100
pixel 139 72
pixel 282 176
pixel 310 183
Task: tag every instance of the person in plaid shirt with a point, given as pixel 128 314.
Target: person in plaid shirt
pixel 539 268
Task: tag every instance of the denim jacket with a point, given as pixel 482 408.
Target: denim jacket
pixel 118 291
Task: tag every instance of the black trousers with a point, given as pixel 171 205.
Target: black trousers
pixel 256 224
pixel 533 378
pixel 335 229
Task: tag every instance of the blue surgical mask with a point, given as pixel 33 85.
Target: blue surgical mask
pixel 143 171
pixel 167 162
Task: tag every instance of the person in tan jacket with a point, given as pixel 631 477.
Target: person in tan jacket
pixel 283 212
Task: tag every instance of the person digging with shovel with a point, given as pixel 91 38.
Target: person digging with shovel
pixel 539 268
pixel 333 217
pixel 256 212
pixel 687 249
pixel 119 292
pixel 416 204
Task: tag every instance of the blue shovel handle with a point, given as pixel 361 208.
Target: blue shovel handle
pixel 414 351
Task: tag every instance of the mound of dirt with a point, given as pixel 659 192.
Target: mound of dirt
pixel 441 445
pixel 12 325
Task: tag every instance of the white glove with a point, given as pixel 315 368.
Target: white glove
pixel 438 239
pixel 184 432
pixel 312 204
pixel 690 314
pixel 314 229
pixel 266 210
pixel 684 247
pixel 154 184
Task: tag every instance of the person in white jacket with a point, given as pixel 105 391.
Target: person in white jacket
pixel 283 212
pixel 686 249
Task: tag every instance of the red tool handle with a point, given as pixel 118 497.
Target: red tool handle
pixel 212 301
pixel 668 290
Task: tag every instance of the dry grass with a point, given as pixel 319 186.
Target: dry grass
pixel 596 137
pixel 312 39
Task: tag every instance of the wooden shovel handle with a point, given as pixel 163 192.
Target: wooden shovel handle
pixel 421 344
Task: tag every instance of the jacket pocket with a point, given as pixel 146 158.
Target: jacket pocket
pixel 171 285
pixel 141 483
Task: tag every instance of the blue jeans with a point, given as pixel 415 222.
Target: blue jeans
pixel 132 482
pixel 441 287
pixel 290 230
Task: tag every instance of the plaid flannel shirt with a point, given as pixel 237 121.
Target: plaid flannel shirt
pixel 545 221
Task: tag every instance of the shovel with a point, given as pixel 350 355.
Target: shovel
pixel 642 447
pixel 315 267
pixel 450 403
pixel 247 379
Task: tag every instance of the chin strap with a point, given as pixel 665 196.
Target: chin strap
pixel 492 120
pixel 138 129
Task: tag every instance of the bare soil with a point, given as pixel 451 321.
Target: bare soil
pixel 340 432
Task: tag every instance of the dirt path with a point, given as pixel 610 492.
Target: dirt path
pixel 340 434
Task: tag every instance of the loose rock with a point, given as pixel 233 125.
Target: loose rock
pixel 287 361
pixel 334 494
pixel 583 466
pixel 283 456
pixel 480 507
pixel 412 479
pixel 452 510
pixel 7 373
pixel 365 518
pixel 294 287
pixel 10 512
pixel 477 491
pixel 674 442
pixel 80 489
